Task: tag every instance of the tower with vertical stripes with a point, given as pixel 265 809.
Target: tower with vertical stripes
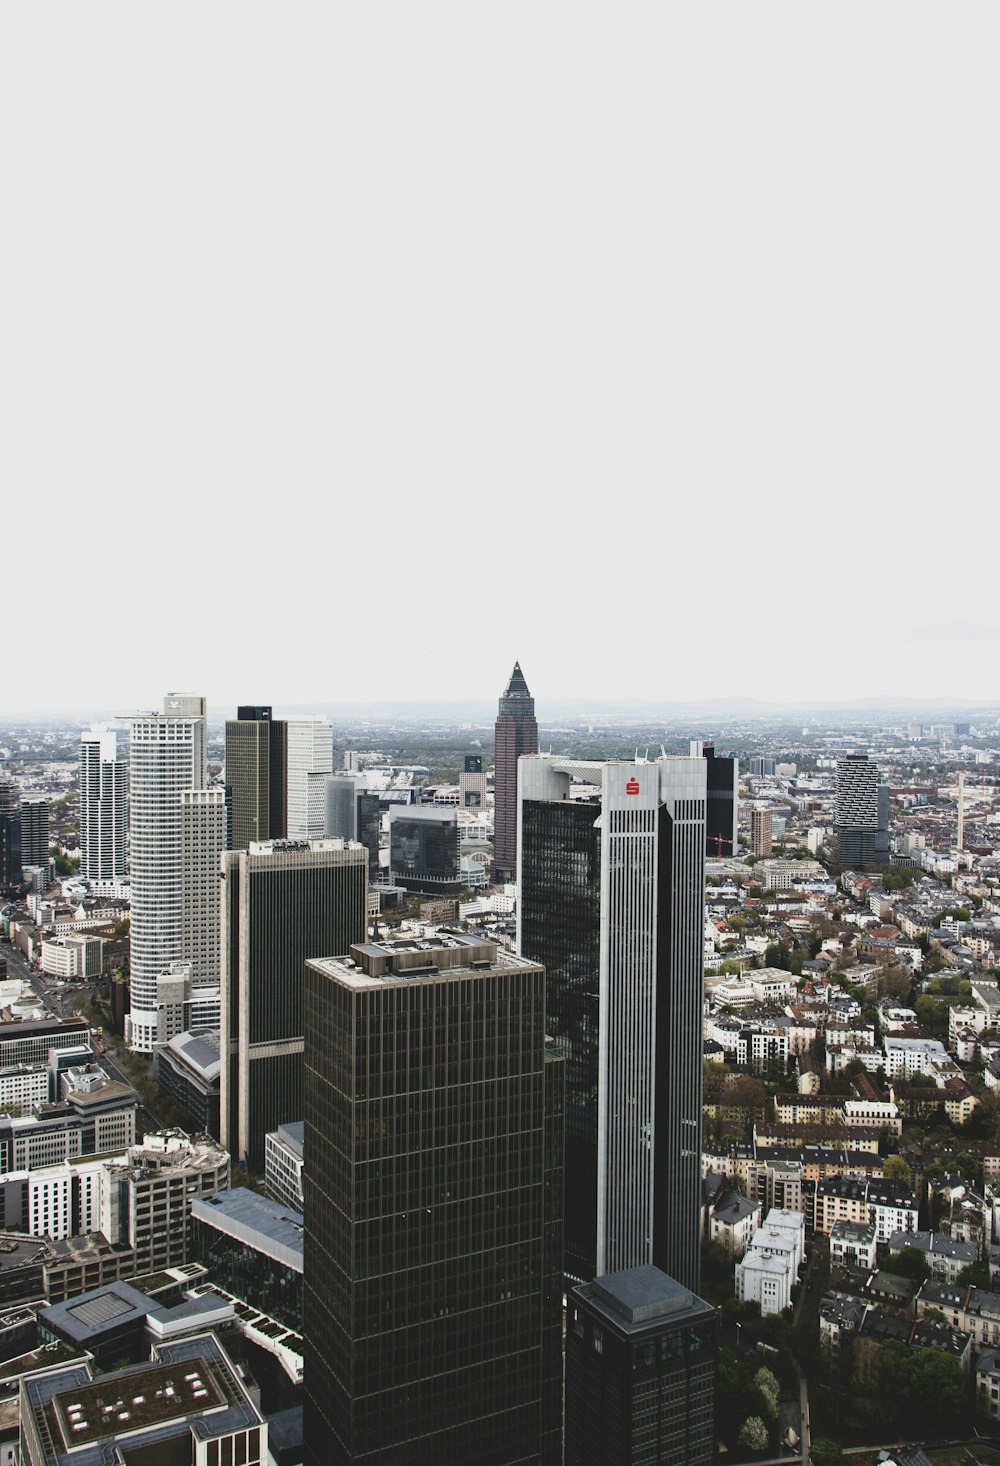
pixel 610 899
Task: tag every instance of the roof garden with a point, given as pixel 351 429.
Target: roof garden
pixel 121 1403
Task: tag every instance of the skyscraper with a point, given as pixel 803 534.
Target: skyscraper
pixel 103 807
pixel 283 902
pixel 516 734
pixel 425 848
pixel 167 760
pixel 256 776
pixel 472 783
pixel 310 759
pixel 722 807
pixel 433 1285
pixel 34 831
pixel 862 825
pixel 610 900
pixel 353 813
pixel 10 836
pixel 203 839
pixel 761 833
pixel 640 1373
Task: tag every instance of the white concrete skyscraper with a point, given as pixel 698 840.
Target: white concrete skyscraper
pixel 310 760
pixel 610 900
pixel 167 762
pixel 103 808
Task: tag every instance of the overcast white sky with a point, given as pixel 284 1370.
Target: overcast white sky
pixel 351 351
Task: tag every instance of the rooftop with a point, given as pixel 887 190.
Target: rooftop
pixel 639 1296
pixel 263 1224
pixel 446 956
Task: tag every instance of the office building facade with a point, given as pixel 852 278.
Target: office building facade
pixel 167 760
pixel 354 813
pixel 256 776
pixel 10 837
pixel 310 760
pixel 610 900
pixel 516 733
pixel 103 808
pixel 35 832
pixel 722 773
pixel 425 851
pixel 862 825
pixel 283 902
pixel 433 1307
pixel 472 783
pixel 640 1373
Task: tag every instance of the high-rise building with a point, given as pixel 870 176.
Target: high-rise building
pixel 761 833
pixel 283 902
pixel 167 760
pixel 722 805
pixel 354 813
pixel 256 776
pixel 862 826
pixel 103 808
pixel 761 768
pixel 516 734
pixel 310 759
pixel 35 832
pixel 203 839
pixel 472 783
pixel 433 1151
pixel 610 900
pixel 10 836
pixel 640 1373
pixel 425 849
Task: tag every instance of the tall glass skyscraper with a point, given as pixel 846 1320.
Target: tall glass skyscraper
pixel 433 1209
pixel 610 900
pixel 516 733
pixel 862 813
pixel 256 776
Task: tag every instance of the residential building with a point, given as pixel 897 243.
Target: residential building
pixel 610 900
pixel 167 761
pixel 283 1164
pixel 310 760
pixel 770 1267
pixel 909 1056
pixel 853 1245
pixel 516 734
pixel 433 1325
pixel 946 1258
pixel 761 838
pixel 35 832
pixel 283 901
pixel 256 770
pixel 640 1372
pixel 425 849
pixel 862 817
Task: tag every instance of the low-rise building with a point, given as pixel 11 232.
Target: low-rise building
pixel 853 1244
pixel 945 1258
pixel 769 1270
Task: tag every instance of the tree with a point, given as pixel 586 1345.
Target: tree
pixel 766 1385
pixel 825 1452
pixel 909 1263
pixel 894 1168
pixel 745 1096
pixel 754 1435
pixel 778 954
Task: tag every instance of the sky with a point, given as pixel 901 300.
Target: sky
pixel 348 352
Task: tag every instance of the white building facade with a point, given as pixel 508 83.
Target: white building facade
pixel 310 760
pixel 103 809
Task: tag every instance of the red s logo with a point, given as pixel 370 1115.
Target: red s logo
pixel 632 787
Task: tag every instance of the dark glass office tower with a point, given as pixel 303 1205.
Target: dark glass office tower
pixel 862 825
pixel 34 831
pixel 516 733
pixel 721 808
pixel 10 836
pixel 433 1204
pixel 281 905
pixel 640 1373
pixel 611 901
pixel 256 777
pixel 425 849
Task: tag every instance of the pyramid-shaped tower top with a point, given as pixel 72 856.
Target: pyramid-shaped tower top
pixel 517 687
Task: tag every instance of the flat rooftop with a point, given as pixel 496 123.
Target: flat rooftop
pixel 120 1403
pixel 431 959
pixel 638 1297
pixel 263 1224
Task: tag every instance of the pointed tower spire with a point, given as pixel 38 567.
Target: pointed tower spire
pixel 517 687
pixel 516 733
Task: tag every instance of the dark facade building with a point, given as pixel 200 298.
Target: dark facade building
pixel 433 1205
pixel 34 832
pixel 862 825
pixel 352 813
pixel 252 1247
pixel 516 733
pixel 610 900
pixel 10 837
pixel 256 777
pixel 722 801
pixel 640 1373
pixel 425 849
pixel 283 903
pixel 188 1070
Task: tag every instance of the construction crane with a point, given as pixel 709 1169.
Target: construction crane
pixel 718 841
